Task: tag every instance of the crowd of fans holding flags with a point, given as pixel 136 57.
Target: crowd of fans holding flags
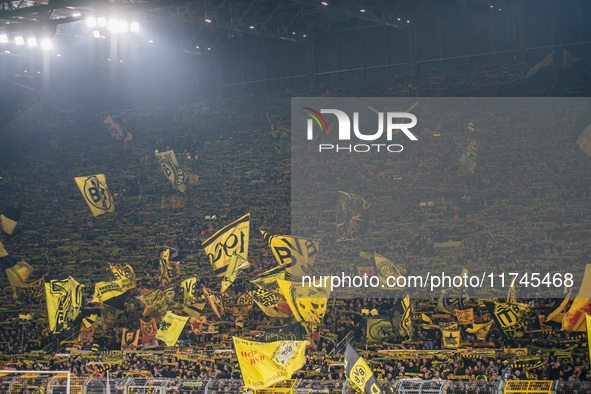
pixel 99 263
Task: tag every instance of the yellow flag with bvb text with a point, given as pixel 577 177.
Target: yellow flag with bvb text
pixel 188 285
pixel 231 239
pixel 265 363
pixel 298 253
pixel 359 373
pixel 307 303
pixel 124 273
pixel 104 291
pixel 170 328
pixel 170 167
pixel 96 193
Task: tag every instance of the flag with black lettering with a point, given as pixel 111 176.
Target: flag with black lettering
pixel 387 269
pixel 237 263
pixel 34 290
pixel 124 273
pixel 299 254
pixel 188 285
pixel 242 305
pixel 170 167
pixel 169 270
pixel 465 316
pixel 215 301
pixel 359 373
pixel 265 363
pixel 291 332
pixel 352 216
pixel 155 303
pixel 96 193
pixel 307 303
pixel 231 239
pixel 64 298
pixel 130 339
pixel 272 304
pixel 451 339
pixel 9 219
pixel 149 330
pixel 400 317
pixel 17 271
pixel 510 318
pixel 104 291
pixel 170 328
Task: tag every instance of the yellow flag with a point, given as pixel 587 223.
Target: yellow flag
pixel 17 271
pixel 377 329
pixel 170 167
pixel 465 316
pixel 359 373
pixel 481 330
pixel 265 363
pixel 169 270
pixel 231 239
pixel 268 279
pixel 237 263
pixel 188 286
pixel 308 304
pixel 387 268
pixel 9 219
pixel 588 323
pixel 273 305
pixel 559 311
pixel 104 291
pixel 64 298
pixel 170 328
pixel 298 253
pixel 451 339
pixel 573 319
pixel 155 303
pixel 129 339
pixel 215 301
pixel 96 193
pixel 124 273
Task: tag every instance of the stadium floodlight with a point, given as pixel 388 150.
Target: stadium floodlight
pixel 207 20
pixel 113 24
pixel 134 27
pixel 123 27
pixel 101 22
pixel 32 41
pixel 96 34
pixel 3 38
pixel 19 40
pixel 46 44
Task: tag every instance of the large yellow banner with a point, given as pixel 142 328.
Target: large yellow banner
pixel 231 239
pixel 96 193
pixel 170 328
pixel 64 298
pixel 265 363
pixel 298 253
pixel 104 291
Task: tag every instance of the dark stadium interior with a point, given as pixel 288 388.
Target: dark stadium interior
pixel 213 80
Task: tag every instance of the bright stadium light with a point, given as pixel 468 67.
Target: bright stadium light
pixel 101 22
pixel 134 27
pixel 19 40
pixel 91 22
pixel 123 27
pixel 32 41
pixel 96 34
pixel 3 38
pixel 46 44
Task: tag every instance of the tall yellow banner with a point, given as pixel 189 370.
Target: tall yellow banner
pixel 64 298
pixel 170 167
pixel 96 193
pixel 170 328
pixel 231 239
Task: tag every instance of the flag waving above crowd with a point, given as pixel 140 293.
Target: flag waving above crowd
pixel 231 239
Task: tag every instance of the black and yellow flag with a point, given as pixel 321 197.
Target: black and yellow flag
pixel 231 239
pixel 291 332
pixel 34 289
pixel 149 330
pixel 170 328
pixel 17 271
pixel 265 363
pixel 268 279
pixel 9 219
pixel 64 298
pixel 481 330
pixel 272 304
pixel 124 273
pixel 378 329
pixel 96 193
pixel 298 254
pixel 104 291
pixel 169 270
pixel 359 373
pixel 510 318
pixel 215 301
pixel 170 167
pixel 307 303
pixel 387 268
pixel 400 317
pixel 465 316
pixel 242 305
pixel 352 216
pixel 588 326
pixel 155 303
pixel 237 263
pixel 130 339
pixel 451 339
pixel 188 285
